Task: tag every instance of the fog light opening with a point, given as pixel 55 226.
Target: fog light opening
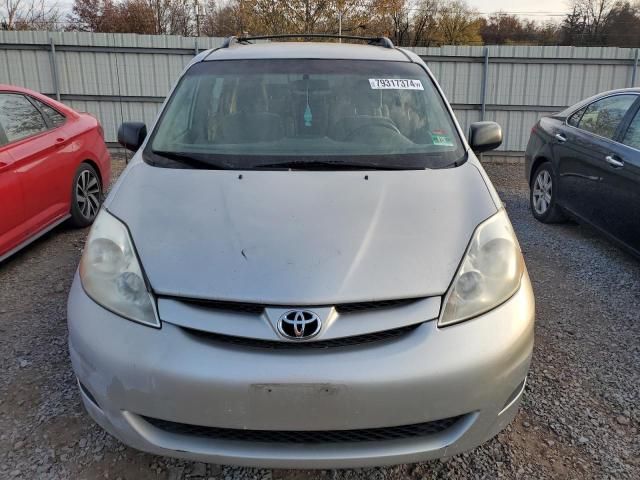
pixel 88 394
pixel 514 396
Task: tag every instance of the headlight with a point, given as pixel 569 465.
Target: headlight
pixel 490 272
pixel 110 272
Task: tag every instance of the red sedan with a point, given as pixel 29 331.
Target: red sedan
pixel 53 166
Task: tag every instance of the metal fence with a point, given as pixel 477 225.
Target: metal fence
pixel 120 77
pixel 516 85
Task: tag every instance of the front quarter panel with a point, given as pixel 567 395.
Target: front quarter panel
pixel 91 146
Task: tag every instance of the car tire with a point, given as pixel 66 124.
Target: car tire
pixel 543 194
pixel 86 196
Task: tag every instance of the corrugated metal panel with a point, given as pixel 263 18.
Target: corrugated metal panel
pixel 28 68
pixel 461 81
pixel 523 82
pixel 111 114
pixel 466 118
pixel 525 79
pixel 129 74
pixel 552 85
pixel 516 126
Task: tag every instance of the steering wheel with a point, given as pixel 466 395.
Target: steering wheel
pixel 372 130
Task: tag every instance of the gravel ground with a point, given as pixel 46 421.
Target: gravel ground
pixel 579 418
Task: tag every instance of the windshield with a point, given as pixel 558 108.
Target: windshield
pixel 240 114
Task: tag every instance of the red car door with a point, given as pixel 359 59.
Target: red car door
pixel 63 142
pixel 12 230
pixel 37 149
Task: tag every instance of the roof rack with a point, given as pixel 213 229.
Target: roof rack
pixel 377 41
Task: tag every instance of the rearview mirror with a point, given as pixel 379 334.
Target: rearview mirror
pixel 131 135
pixel 484 136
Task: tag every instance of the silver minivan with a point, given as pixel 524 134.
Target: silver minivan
pixel 304 265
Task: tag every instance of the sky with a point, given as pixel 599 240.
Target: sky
pixel 530 8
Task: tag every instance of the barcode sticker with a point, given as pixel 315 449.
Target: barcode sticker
pixel 395 84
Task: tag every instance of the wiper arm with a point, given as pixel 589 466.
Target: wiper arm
pixel 191 160
pixel 326 165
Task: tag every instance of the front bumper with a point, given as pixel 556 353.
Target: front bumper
pixel 475 370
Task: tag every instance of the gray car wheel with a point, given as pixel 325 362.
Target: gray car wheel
pixel 86 197
pixel 543 196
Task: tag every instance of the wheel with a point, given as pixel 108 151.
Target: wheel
pixel 86 197
pixel 543 196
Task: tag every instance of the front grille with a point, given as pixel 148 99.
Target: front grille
pixel 242 307
pixel 366 306
pixel 258 308
pixel 317 436
pixel 367 338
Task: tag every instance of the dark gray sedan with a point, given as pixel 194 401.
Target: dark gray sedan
pixel 584 162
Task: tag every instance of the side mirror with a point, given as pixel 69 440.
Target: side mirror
pixel 484 136
pixel 131 135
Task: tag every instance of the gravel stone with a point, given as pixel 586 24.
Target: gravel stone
pixel 584 373
pixel 622 420
pixel 176 473
pixel 199 470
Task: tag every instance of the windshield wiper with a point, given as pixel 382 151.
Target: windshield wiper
pixel 191 160
pixel 328 165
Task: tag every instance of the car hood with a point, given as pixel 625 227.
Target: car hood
pixel 301 237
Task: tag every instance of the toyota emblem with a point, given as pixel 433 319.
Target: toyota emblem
pixel 299 324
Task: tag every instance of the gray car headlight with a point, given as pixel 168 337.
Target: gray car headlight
pixel 111 275
pixel 489 274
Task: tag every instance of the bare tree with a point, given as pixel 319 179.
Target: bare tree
pixel 264 17
pixel 425 22
pixel 407 22
pixel 458 24
pixel 349 17
pixel 306 15
pixel 179 19
pixel 597 12
pixel 28 15
pixel 587 21
pixel 92 15
pixel 399 14
pixel 623 25
pixel 390 18
pixel 168 17
pixel 220 20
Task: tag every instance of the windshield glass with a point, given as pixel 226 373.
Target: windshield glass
pixel 240 114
